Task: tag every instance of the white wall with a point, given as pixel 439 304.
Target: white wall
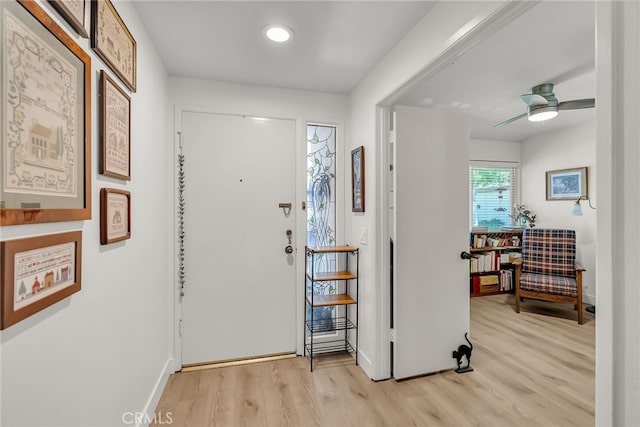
pixel 301 106
pixel 568 148
pixel 100 353
pixel 494 151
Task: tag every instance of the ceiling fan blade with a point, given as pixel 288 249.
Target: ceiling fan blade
pixel 534 99
pixel 512 119
pixel 577 104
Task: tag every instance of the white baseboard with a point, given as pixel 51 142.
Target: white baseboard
pixel 156 393
pixel 589 299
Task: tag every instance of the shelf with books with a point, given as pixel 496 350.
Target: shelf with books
pixel 491 263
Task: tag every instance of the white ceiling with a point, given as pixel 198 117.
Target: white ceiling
pixel 337 43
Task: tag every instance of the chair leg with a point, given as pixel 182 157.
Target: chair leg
pixel 579 289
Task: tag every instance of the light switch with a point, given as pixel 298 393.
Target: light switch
pixel 364 236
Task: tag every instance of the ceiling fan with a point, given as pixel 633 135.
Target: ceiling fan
pixel 543 104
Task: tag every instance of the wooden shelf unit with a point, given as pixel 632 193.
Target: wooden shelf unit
pixel 495 269
pixel 343 322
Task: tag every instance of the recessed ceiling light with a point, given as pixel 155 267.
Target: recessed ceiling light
pixel 278 33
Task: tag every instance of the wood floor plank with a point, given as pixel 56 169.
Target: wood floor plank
pixel 535 368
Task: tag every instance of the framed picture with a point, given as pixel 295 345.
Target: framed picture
pixel 115 126
pixel 75 12
pixel 567 184
pixel 45 130
pixel 113 42
pixel 357 179
pixel 38 272
pixel 115 215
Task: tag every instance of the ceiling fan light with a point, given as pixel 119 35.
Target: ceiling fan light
pixel 542 113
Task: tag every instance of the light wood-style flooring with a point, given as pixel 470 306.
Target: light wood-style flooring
pixel 535 368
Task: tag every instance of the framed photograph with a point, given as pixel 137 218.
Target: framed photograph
pixel 38 272
pixel 567 184
pixel 75 12
pixel 45 129
pixel 115 215
pixel 113 42
pixel 357 179
pixel 115 126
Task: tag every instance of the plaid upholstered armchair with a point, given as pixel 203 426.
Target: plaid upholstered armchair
pixel 548 270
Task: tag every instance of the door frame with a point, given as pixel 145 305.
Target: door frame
pixel 175 346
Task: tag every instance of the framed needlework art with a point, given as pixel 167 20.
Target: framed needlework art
pixel 45 130
pixel 113 42
pixel 115 215
pixel 38 272
pixel 75 12
pixel 115 135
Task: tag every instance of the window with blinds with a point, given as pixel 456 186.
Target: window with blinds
pixel 493 192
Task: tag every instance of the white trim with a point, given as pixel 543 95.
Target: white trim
pixel 156 393
pixel 605 30
pixel 494 164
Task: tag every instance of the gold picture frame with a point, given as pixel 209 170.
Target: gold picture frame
pixel 38 272
pixel 567 184
pixel 45 131
pixel 113 42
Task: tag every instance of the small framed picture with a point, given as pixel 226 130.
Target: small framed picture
pixel 115 215
pixel 38 272
pixel 115 126
pixel 357 179
pixel 75 12
pixel 113 42
pixel 567 184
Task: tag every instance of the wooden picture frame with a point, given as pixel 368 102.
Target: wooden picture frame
pixel 567 184
pixel 37 272
pixel 357 179
pixel 75 12
pixel 115 215
pixel 113 42
pixel 115 124
pixel 45 131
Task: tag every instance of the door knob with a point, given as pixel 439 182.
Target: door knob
pixel 288 249
pixel 465 255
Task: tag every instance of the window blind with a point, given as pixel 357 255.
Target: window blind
pixel 493 192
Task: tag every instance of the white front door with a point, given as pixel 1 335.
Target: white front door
pixel 431 282
pixel 239 297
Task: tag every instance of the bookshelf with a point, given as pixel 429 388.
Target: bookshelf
pixel 491 269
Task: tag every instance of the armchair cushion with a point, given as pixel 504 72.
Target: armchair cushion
pixel 557 285
pixel 549 252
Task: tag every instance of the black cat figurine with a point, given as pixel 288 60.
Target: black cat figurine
pixel 463 351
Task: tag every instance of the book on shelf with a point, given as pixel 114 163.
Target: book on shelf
pixel 481 262
pixel 506 280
